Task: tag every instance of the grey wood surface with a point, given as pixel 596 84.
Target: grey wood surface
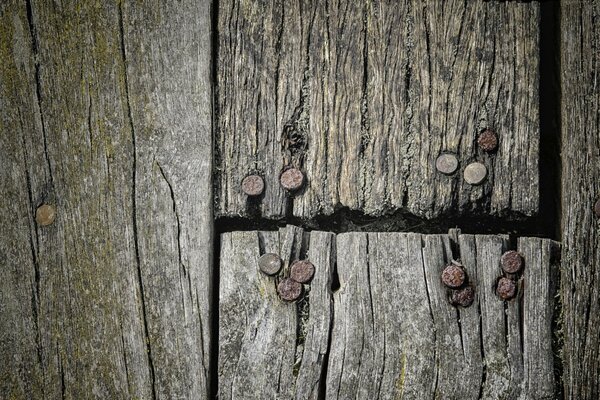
pixel 105 113
pixel 364 96
pixel 580 117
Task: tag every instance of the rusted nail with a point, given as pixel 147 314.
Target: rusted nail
pixel 488 140
pixel 463 297
pixel 45 214
pixel 511 262
pixel 253 185
pixel 597 208
pixel 475 173
pixel 292 179
pixel 506 288
pixel 302 271
pixel 446 163
pixel 289 289
pixel 453 276
pixel 269 263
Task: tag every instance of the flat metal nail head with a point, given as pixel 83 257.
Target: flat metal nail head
pixel 506 288
pixel 446 163
pixel 463 297
pixel 511 262
pixel 302 271
pixel 292 179
pixel 475 173
pixel 269 263
pixel 289 289
pixel 253 185
pixel 45 215
pixel 488 140
pixel 453 276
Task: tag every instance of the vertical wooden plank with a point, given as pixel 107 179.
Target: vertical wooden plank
pixel 580 290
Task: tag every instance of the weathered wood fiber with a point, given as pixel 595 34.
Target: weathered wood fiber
pixel 395 335
pixel 269 348
pixel 105 113
pixel 363 96
pixel 580 118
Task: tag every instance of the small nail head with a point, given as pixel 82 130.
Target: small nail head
pixel 506 288
pixel 511 261
pixel 463 297
pixel 45 214
pixel 292 179
pixel 475 173
pixel 453 276
pixel 488 140
pixel 253 185
pixel 446 163
pixel 269 263
pixel 302 271
pixel 597 208
pixel 289 289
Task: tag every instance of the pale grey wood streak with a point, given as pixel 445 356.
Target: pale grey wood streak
pixel 363 96
pixel 395 335
pixel 105 113
pixel 580 117
pixel 269 348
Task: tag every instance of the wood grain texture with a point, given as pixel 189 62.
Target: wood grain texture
pixel 105 113
pixel 580 275
pixel 363 97
pixel 269 348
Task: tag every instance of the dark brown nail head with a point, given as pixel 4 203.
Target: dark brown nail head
pixel 488 140
pixel 253 185
pixel 446 163
pixel 506 288
pixel 453 276
pixel 512 262
pixel 45 214
pixel 463 297
pixel 302 271
pixel 269 263
pixel 289 289
pixel 292 179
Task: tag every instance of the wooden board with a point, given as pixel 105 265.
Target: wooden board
pixel 580 117
pixel 364 96
pixel 105 113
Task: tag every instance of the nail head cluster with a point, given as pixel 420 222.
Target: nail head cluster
pixel 289 288
pixel 455 278
pixel 512 263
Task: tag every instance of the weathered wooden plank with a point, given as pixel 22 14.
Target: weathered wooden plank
pixel 269 348
pixel 93 305
pixel 580 119
pixel 364 96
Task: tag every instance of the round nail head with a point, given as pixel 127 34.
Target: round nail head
pixel 463 297
pixel 292 179
pixel 446 163
pixel 488 140
pixel 475 173
pixel 289 289
pixel 45 214
pixel 302 271
pixel 253 185
pixel 269 263
pixel 597 208
pixel 506 288
pixel 512 262
pixel 453 276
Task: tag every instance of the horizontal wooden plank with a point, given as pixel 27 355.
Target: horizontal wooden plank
pixel 364 96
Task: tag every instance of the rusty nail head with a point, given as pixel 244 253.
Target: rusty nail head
pixel 269 263
pixel 453 276
pixel 512 262
pixel 506 288
pixel 302 271
pixel 292 179
pixel 475 173
pixel 289 289
pixel 253 185
pixel 597 208
pixel 463 297
pixel 446 163
pixel 45 214
pixel 488 140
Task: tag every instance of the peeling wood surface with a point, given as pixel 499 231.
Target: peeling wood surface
pixel 363 97
pixel 105 113
pixel 580 114
pixel 394 333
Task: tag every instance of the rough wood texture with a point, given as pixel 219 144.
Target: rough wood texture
pixel 363 96
pixel 580 116
pixel 105 113
pixel 269 348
